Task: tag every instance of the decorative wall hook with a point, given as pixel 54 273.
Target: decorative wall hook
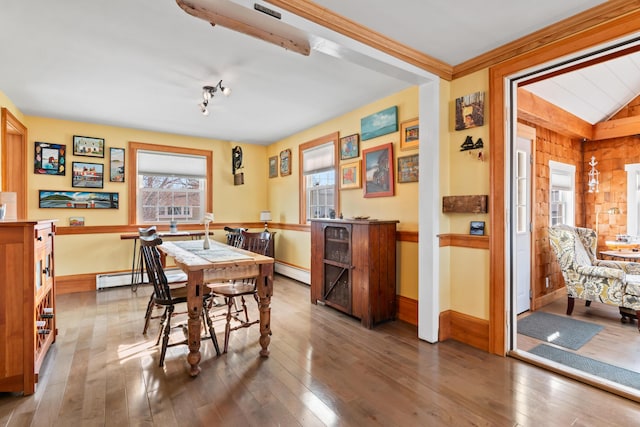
pixel 467 144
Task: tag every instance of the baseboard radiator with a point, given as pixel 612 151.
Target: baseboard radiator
pixel 104 281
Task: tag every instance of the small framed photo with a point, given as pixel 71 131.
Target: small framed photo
pixel 408 168
pixel 409 134
pixel 470 111
pixel 87 175
pixel 88 146
pixel 273 167
pixel 116 164
pixel 76 221
pixel 377 173
pixel 350 175
pixel 350 147
pixel 49 159
pixel 285 162
pixel 477 228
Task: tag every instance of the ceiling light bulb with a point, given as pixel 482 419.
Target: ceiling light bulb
pixel 226 91
pixel 207 92
pixel 203 108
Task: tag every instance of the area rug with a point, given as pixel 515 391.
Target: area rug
pixel 559 330
pixel 591 366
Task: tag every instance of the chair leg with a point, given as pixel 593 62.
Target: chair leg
pixel 147 316
pixel 638 319
pixel 166 331
pixel 206 318
pixel 570 303
pixel 227 328
pixel 587 303
pixel 244 308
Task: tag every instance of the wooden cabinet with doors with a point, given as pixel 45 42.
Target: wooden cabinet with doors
pixel 27 302
pixel 353 267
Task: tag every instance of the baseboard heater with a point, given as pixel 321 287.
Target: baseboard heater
pixel 104 281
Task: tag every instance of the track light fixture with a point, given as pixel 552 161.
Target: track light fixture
pixel 208 92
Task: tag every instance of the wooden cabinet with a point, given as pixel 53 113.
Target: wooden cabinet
pixel 353 267
pixel 27 301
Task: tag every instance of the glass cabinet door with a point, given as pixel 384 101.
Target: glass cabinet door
pixel 337 267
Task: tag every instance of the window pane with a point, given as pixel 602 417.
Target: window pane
pixel 166 198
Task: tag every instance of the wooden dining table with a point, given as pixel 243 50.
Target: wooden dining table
pixel 218 263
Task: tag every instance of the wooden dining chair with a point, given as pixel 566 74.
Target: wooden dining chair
pixel 234 236
pixel 254 242
pixel 168 298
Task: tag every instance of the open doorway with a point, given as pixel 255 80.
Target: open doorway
pixel 607 352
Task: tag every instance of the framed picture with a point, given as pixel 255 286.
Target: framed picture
pixel 350 147
pixel 350 175
pixel 88 146
pixel 76 221
pixel 477 228
pixel 380 123
pixel 409 134
pixel 273 167
pixel 408 168
pixel 470 111
pixel 87 175
pixel 116 164
pixel 49 159
pixel 285 162
pixel 378 171
pixel 77 200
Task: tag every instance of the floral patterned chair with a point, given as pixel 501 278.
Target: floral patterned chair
pixel 586 277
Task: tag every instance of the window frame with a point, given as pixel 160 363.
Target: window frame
pixel 302 190
pixel 565 169
pixel 132 172
pixel 633 197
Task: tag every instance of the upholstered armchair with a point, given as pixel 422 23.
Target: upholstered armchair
pixel 586 277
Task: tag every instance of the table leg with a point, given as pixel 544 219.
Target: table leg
pixel 265 290
pixel 194 303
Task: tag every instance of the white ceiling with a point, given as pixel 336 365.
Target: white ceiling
pixel 142 63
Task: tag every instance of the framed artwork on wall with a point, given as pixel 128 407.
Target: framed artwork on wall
pixel 88 146
pixel 116 164
pixel 476 228
pixel 285 162
pixel 408 168
pixel 87 175
pixel 350 175
pixel 77 199
pixel 76 221
pixel 377 173
pixel 380 123
pixel 350 147
pixel 49 159
pixel 470 111
pixel 273 167
pixel 409 134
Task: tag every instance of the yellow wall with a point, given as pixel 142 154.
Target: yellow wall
pixel 284 199
pixel 469 286
pixel 99 253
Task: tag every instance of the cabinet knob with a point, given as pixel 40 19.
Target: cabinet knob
pixel 39 238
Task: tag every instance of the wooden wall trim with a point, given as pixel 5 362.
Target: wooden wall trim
pixel 407 310
pixel 543 300
pixel 356 31
pixel 464 328
pixel 75 283
pixel 570 27
pixel 611 28
pixel 464 241
pixel 407 236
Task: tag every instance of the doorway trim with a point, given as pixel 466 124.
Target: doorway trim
pixel 10 125
pixel 499 135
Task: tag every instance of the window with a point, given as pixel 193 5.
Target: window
pixel 168 183
pixel 318 177
pixel 562 183
pixel 633 198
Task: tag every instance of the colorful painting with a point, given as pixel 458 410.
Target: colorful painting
pixel 88 146
pixel 408 168
pixel 77 200
pixel 350 175
pixel 380 123
pixel 273 167
pixel 350 147
pixel 470 111
pixel 378 171
pixel 49 159
pixel 116 164
pixel 409 134
pixel 87 175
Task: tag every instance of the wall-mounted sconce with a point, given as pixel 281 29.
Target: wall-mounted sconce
pixel 265 216
pixel 208 92
pixel 236 164
pixel 593 177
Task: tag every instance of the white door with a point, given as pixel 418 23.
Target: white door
pixel 522 186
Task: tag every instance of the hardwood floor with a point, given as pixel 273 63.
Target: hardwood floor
pixel 324 369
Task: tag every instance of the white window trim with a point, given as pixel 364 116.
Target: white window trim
pixel 565 169
pixel 633 170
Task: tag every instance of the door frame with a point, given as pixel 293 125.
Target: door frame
pixel 10 128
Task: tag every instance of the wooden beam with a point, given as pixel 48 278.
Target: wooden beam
pixel 540 112
pixel 619 128
pixel 299 46
pixel 331 20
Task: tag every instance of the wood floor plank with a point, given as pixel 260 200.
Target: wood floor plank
pixel 325 369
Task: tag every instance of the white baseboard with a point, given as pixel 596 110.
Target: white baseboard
pixel 295 273
pixel 104 281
